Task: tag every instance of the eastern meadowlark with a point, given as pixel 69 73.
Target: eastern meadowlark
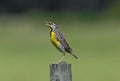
pixel 59 41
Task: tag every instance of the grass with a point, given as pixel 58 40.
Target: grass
pixel 26 51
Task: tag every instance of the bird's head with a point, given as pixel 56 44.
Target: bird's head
pixel 51 25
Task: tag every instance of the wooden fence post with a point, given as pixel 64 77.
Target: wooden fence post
pixel 60 72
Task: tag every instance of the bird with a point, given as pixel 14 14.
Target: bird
pixel 59 41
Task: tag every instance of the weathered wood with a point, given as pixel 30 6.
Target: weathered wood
pixel 60 72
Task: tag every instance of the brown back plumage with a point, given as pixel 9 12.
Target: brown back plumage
pixel 63 41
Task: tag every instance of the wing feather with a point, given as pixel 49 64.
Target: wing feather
pixel 62 40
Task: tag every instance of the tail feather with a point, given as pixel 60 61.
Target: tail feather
pixel 69 50
pixel 74 55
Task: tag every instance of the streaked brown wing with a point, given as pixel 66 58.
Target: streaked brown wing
pixel 62 40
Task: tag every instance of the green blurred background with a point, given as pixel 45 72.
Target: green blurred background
pixel 92 28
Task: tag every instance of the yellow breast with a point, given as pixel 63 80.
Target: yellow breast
pixel 53 39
